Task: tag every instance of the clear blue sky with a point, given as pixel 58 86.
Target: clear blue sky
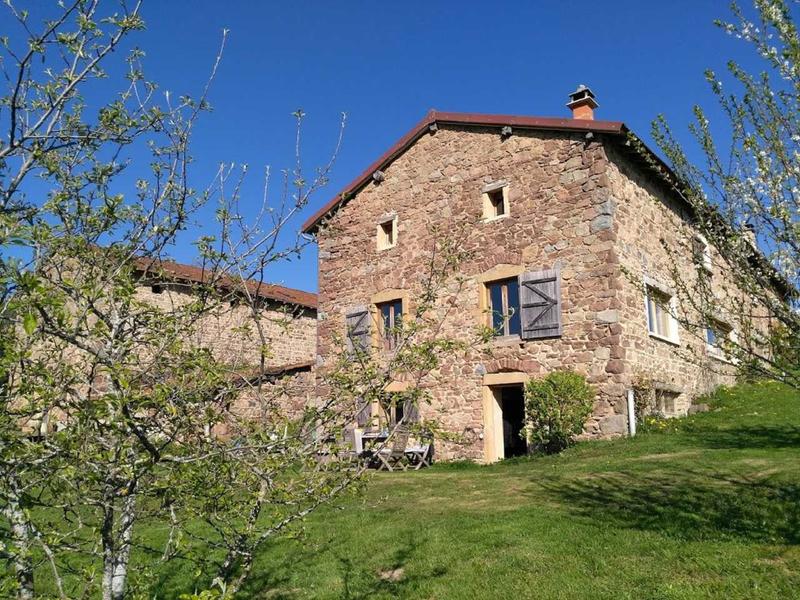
pixel 386 63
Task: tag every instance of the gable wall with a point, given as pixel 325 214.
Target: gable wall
pixel 561 214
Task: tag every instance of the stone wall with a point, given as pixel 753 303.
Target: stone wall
pixel 273 400
pixel 580 204
pixel 231 332
pixel 648 216
pixel 560 215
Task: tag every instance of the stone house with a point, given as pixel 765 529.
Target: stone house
pixel 567 224
pixel 288 320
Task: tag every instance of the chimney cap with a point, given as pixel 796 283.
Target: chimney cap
pixel 582 95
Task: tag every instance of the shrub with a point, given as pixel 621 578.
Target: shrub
pixel 556 408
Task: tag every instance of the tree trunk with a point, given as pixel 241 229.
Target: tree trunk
pixel 240 555
pixel 117 547
pixel 107 534
pixel 21 537
pixel 120 575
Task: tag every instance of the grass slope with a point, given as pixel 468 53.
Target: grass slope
pixel 709 507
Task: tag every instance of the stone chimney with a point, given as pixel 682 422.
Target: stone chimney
pixel 582 103
pixel 750 234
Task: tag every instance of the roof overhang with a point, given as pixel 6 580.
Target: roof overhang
pixel 168 270
pixel 634 147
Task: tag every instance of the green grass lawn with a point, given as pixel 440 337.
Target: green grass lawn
pixel 708 508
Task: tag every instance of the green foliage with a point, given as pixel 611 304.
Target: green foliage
pixel 744 194
pixel 218 591
pixel 603 520
pixel 117 412
pixel 656 423
pixel 556 408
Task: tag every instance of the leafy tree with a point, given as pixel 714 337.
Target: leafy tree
pixel 745 197
pixel 109 403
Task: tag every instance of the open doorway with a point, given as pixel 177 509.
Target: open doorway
pixel 504 415
pixel 512 406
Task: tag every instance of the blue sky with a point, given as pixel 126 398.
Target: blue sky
pixel 385 64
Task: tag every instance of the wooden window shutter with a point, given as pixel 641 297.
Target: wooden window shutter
pixel 357 321
pixel 411 411
pixel 540 304
pixel 364 413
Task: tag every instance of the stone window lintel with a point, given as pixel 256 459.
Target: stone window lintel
pixel 495 185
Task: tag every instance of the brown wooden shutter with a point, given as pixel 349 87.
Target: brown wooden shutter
pixel 411 411
pixel 358 329
pixel 364 413
pixel 540 304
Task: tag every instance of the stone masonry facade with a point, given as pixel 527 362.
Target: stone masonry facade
pixel 229 331
pixel 575 202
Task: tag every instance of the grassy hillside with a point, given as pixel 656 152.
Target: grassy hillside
pixel 708 507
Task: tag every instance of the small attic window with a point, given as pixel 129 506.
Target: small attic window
pixel 387 233
pixel 156 288
pixel 495 201
pixel 701 253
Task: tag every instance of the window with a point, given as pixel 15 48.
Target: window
pixel 495 200
pixel 666 402
pixel 717 333
pixel 396 411
pixel 397 407
pixel 391 317
pixel 503 304
pixel 387 233
pixel 701 252
pixel 156 288
pixel 497 203
pixel 660 322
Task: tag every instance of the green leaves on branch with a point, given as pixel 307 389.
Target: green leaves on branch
pixel 556 408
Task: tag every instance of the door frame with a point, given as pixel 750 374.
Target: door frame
pixel 493 449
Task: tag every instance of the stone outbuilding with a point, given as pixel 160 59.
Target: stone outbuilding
pixel 569 225
pixel 287 319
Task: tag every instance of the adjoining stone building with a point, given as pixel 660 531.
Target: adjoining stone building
pixel 287 321
pixel 286 327
pixel 566 222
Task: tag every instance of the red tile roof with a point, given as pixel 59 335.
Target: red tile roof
pixel 444 118
pixel 167 269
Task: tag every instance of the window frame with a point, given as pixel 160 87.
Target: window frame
pixel 389 342
pixel 386 240
pixel 652 291
pixel 506 332
pixel 489 207
pixel 666 402
pixel 723 331
pixel 396 407
pixel 702 256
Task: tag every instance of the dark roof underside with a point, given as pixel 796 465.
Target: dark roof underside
pixel 166 270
